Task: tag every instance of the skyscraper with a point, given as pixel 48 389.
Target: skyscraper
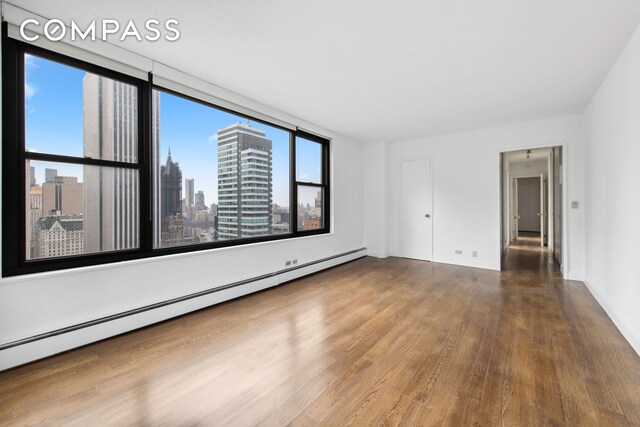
pixel 63 195
pixel 244 182
pixel 200 205
pixel 31 175
pixel 188 191
pixel 111 214
pixel 50 174
pixel 171 219
pixel 171 188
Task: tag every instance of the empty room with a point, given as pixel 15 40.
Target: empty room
pixel 277 212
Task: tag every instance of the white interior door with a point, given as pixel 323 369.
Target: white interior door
pixel 417 232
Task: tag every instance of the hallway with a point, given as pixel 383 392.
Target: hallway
pixel 376 341
pixel 526 254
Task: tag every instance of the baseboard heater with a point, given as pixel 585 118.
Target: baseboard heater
pixel 49 343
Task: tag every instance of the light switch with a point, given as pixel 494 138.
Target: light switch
pixel 575 204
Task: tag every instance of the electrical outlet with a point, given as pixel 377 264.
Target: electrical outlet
pixel 474 254
pixel 287 263
pixel 458 252
pixel 294 262
pixel 575 204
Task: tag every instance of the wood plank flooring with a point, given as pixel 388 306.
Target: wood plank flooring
pixel 372 342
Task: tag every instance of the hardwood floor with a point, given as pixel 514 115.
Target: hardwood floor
pixel 393 342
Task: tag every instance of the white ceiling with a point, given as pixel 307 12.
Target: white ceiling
pixel 387 70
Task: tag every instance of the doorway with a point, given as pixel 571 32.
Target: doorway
pixel 416 209
pixel 531 202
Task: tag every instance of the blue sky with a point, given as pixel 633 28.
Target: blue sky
pixel 53 95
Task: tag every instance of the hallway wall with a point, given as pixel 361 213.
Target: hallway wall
pixel 612 156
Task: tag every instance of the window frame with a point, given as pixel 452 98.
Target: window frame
pixel 14 156
pixel 324 184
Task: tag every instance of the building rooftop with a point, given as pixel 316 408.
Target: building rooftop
pixel 67 222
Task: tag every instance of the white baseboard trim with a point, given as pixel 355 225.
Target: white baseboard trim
pixel 378 254
pixel 465 262
pixel 30 349
pixel 576 275
pixel 628 332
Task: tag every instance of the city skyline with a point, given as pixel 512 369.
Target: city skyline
pixel 54 117
pixel 248 164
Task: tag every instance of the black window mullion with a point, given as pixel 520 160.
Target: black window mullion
pixel 326 171
pixel 14 173
pixel 310 184
pixel 46 157
pixel 145 159
pixel 22 175
pixel 293 187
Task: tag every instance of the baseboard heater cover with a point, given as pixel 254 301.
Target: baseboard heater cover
pixel 263 282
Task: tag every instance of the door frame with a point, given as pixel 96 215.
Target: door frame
pixel 564 267
pixel 544 209
pixel 514 212
pixel 408 159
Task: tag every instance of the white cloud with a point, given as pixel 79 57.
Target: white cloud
pixel 29 90
pixel 213 138
pixel 30 62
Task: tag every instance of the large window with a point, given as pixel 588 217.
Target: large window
pixel 222 177
pixel 82 186
pixel 101 167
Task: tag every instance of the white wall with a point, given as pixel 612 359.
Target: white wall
pixel 612 124
pixel 466 193
pixel 374 192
